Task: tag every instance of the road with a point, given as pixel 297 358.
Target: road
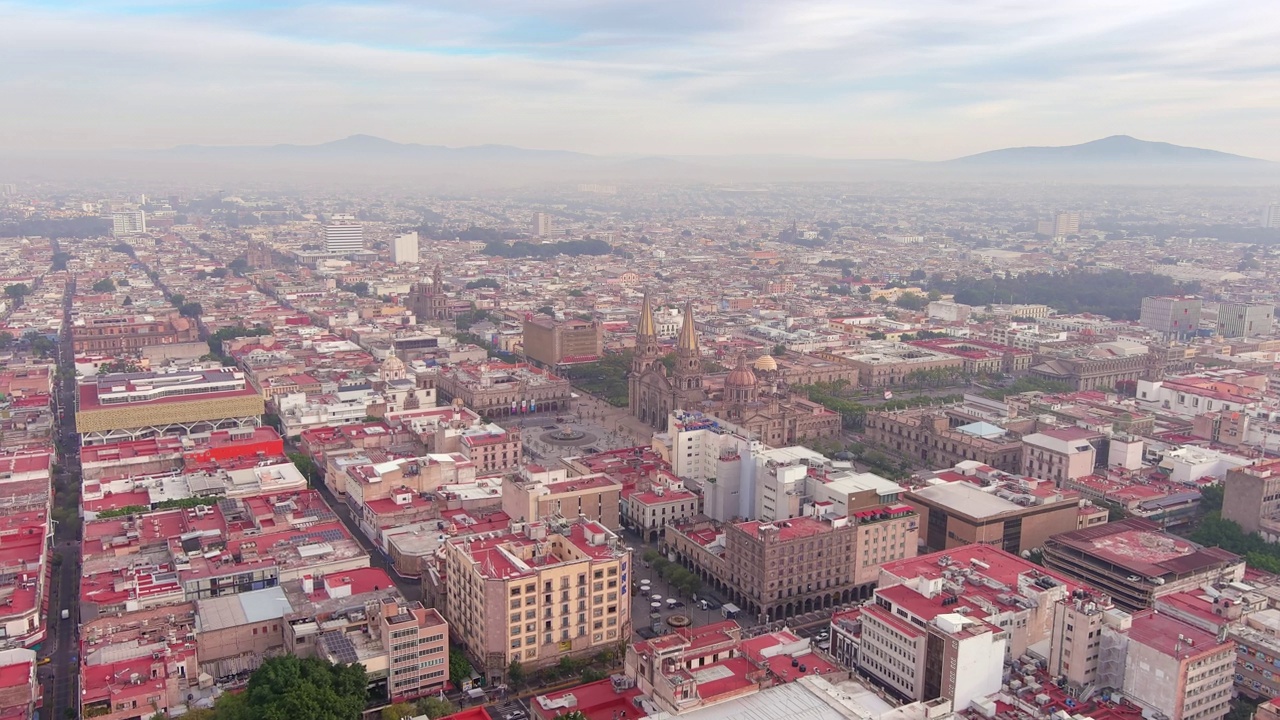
pixel 61 675
pixel 411 591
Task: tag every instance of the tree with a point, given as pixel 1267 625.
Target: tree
pixel 398 711
pixel 128 301
pixel 515 674
pixel 482 283
pixel 239 266
pixel 864 289
pixel 177 299
pixel 572 715
pixel 287 687
pixel 17 292
pixel 779 350
pixel 361 288
pixel 6 340
pixel 547 310
pixel 105 285
pixel 434 707
pixel 219 273
pixel 459 667
pixel 122 365
pixel 911 301
pixel 306 466
pixel 191 310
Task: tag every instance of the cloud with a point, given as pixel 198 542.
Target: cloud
pixel 878 78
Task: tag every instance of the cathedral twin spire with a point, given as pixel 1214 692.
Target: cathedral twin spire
pixel 647 329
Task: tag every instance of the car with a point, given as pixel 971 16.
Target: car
pixel 676 604
pixel 823 635
pixel 824 645
pixel 45 661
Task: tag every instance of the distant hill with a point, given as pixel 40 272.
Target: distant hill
pixel 1114 150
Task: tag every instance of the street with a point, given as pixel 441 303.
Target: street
pixel 61 675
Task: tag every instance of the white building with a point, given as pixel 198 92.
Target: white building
pixel 343 235
pixel 542 225
pixel 404 249
pixel 128 222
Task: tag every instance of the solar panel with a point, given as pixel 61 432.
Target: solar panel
pixel 341 647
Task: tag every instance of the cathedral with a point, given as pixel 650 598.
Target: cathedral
pixel 741 397
pixel 653 392
pixel 428 302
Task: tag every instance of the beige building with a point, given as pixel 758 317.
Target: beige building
pixel 538 493
pixel 1252 499
pixel 536 593
pixel 496 389
pixel 774 570
pixel 941 439
pixel 417 643
pixel 549 342
pixel 887 364
pixel 1015 518
pixel 237 632
pixel 1060 454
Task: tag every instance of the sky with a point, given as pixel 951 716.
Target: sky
pixel 917 79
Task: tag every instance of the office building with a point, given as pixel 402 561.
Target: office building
pixel 1134 562
pixel 985 506
pixel 550 342
pixel 417 640
pixel 128 222
pixel 343 235
pixel 1244 320
pixel 1175 317
pixel 542 225
pixel 1271 216
pixel 404 249
pixel 537 592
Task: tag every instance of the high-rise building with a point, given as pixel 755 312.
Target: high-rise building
pixel 1066 223
pixel 542 225
pixel 8 189
pixel 1271 216
pixel 404 249
pixel 1244 320
pixel 551 342
pixel 1174 316
pixel 128 222
pixel 342 235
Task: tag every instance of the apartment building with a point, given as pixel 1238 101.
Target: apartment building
pixel 417 641
pixel 538 493
pixel 537 592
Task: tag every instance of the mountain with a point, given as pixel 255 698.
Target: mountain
pixel 1114 150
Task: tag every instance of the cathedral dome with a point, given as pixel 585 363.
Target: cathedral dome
pixel 741 376
pixel 766 363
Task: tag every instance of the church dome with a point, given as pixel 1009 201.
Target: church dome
pixel 766 363
pixel 741 376
pixel 393 364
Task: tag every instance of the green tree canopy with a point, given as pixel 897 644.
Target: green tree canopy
pixel 288 687
pixel 104 285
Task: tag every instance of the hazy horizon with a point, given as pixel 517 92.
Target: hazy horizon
pixel 928 81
